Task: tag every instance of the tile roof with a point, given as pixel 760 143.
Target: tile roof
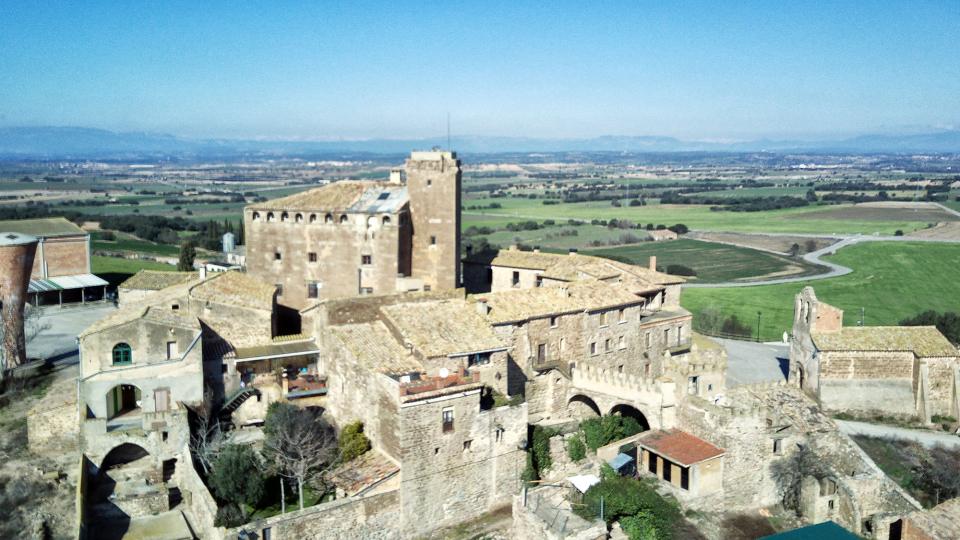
pixel 679 446
pixel 443 327
pixel 235 288
pixel 374 346
pixel 132 312
pixel 346 196
pixel 154 280
pixel 277 348
pixel 524 304
pixel 921 340
pixel 937 522
pixel 358 474
pixel 570 267
pixel 47 227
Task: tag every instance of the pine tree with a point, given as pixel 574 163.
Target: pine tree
pixel 187 255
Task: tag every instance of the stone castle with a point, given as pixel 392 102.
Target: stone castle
pixel 447 380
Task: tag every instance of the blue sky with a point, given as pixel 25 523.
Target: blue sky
pixel 710 70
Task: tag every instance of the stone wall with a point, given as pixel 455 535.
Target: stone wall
pixel 53 423
pixel 433 183
pixel 370 518
pixel 455 475
pixel 537 517
pixel 196 496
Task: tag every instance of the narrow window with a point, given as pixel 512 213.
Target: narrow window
pixel 343 218
pixel 366 259
pixel 620 368
pixel 646 369
pixel 777 446
pixel 539 282
pixel 666 337
pixel 122 354
pixel 516 278
pixel 563 345
pixel 466 444
pixel 622 315
pixel 312 289
pixel 541 353
pixel 478 359
pixel 256 216
pixel 621 343
pixel 603 318
pixel 429 183
pixel 553 322
pixel 277 256
pixel 386 220
pixel 172 350
pixel 593 347
pixel 328 218
pixel 608 345
pixel 279 289
pixel 298 218
pixel 685 478
pixel 312 256
pixel 433 240
pixel 313 218
pixel 448 420
pixel 693 385
pixel 647 340
pixel 499 433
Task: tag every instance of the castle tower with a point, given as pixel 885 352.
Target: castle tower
pixel 433 185
pixel 16 262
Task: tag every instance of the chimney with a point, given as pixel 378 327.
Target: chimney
pixel 203 272
pixel 653 263
pixel 396 176
pixel 482 307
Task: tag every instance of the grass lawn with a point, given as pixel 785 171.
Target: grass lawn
pixel 115 270
pixel 891 280
pixel 713 262
pixel 697 217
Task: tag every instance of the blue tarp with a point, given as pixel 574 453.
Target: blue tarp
pixel 620 461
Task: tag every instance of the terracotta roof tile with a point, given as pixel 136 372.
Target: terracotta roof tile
pixel 679 446
pixel 374 346
pixel 345 196
pixel 235 288
pixel 154 280
pixel 586 295
pixel 571 267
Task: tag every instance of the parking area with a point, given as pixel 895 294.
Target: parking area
pixel 57 339
pixel 749 362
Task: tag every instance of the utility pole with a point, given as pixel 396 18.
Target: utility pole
pixel 758 326
pixel 863 317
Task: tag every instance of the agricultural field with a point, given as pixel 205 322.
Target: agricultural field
pixel 712 262
pixel 891 281
pixel 115 269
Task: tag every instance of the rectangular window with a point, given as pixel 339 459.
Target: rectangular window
pixel 622 315
pixel 666 337
pixel 693 385
pixel 652 463
pixel 593 347
pixel 553 322
pixel 516 279
pixel 448 420
pixel 366 259
pixel 777 446
pixel 541 353
pixel 603 318
pixel 161 399
pixel 312 257
pixel 478 359
pixel 646 369
pixel 621 343
pixel 267 533
pixel 279 287
pixel 173 351
pixel 608 345
pixel 539 282
pixel 368 290
pixel 433 240
pixel 685 478
pixel 277 256
pixel 312 289
pixel 679 335
pixel 563 345
pixel 647 340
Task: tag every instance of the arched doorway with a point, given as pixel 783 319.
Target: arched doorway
pixel 127 474
pixel 629 411
pixel 582 407
pixel 123 400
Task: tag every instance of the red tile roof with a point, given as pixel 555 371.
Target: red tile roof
pixel 679 446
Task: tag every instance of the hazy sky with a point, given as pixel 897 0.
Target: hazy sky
pixel 547 69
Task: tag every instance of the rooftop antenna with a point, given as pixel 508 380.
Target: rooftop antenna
pixel 448 130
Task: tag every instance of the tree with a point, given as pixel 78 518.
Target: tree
pixel 236 478
pixel 679 228
pixel 811 196
pixel 947 323
pixel 353 443
pixel 187 254
pixel 298 443
pixel 810 245
pixel 576 449
pixel 206 438
pixel 795 250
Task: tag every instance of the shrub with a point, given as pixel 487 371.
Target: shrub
pixel 576 449
pixel 529 474
pixel 626 498
pixel 229 516
pixel 679 228
pixel 680 270
pixel 236 478
pixel 639 526
pixel 606 429
pixel 353 443
pixel 898 233
pixel 541 448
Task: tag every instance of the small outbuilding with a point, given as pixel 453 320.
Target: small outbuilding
pixel 687 462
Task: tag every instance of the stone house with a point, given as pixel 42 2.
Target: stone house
pixel 937 523
pixel 353 238
pixel 136 288
pixel 908 371
pixel 690 465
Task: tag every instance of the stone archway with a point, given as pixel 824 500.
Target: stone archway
pixel 629 411
pixel 581 407
pixel 123 400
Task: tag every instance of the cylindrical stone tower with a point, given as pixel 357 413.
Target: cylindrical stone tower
pixel 16 263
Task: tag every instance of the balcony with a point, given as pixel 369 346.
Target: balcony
pixel 419 388
pixel 305 385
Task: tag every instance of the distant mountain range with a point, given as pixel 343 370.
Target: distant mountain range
pixel 89 143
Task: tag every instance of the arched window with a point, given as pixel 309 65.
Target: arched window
pixel 386 220
pixel 328 218
pixel 298 218
pixel 256 216
pixel 343 218
pixel 313 218
pixel 284 216
pixel 122 354
pixel 371 221
pixel 270 216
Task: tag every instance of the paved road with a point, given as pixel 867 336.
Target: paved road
pixel 926 438
pixel 749 362
pixel 58 341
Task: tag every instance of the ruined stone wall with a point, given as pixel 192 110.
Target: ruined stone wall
pixel 53 423
pixel 942 378
pixel 868 382
pixel 452 476
pixel 433 184
pixel 339 247
pixel 370 518
pixel 62 256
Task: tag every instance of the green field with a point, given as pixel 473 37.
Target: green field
pixel 116 270
pixel 696 217
pixel 713 262
pixel 126 242
pixel 890 280
pixel 793 191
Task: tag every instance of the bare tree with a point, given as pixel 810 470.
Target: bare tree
pixel 33 325
pixel 206 439
pixel 298 443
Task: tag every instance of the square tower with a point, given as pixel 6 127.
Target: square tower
pixel 433 184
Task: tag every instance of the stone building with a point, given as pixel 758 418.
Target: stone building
pixel 61 267
pixel 690 465
pixel 899 370
pixel 352 238
pixel 136 288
